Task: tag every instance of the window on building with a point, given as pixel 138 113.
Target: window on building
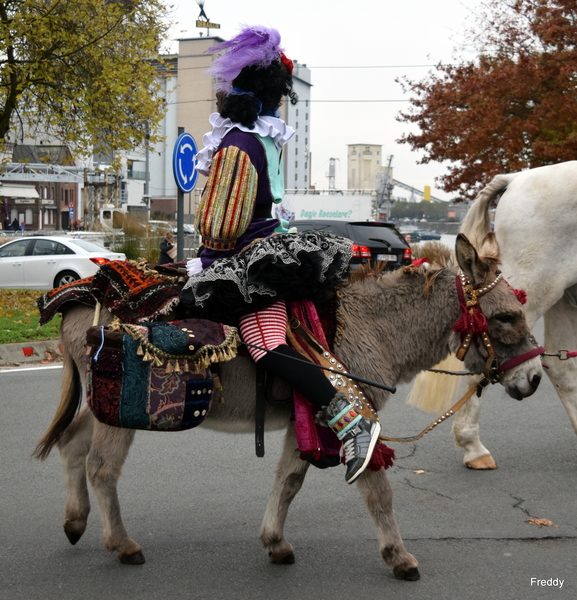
pixel 306 116
pixel 306 127
pixel 297 112
pixel 296 164
pixel 307 103
pixel 296 150
pixel 296 138
pixel 306 178
pixel 296 124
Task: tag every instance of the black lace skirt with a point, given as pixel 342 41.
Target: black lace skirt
pixel 286 266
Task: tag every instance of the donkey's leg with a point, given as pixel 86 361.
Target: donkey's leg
pixel 109 450
pixel 290 474
pixel 466 432
pixel 376 490
pixel 74 445
pixel 561 334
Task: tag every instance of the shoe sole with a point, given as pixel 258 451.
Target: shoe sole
pixel 372 445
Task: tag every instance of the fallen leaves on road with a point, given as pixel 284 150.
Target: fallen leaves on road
pixel 540 522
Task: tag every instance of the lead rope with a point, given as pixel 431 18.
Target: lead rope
pixel 444 416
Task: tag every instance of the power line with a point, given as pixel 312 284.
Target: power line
pixel 370 67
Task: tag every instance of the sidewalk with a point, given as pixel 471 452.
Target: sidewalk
pixel 47 351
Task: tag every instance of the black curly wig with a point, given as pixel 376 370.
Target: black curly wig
pixel 268 84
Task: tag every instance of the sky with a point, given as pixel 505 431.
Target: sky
pixel 389 39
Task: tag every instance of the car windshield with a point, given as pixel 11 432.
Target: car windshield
pixel 88 246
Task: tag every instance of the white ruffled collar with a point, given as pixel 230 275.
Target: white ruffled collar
pixel 277 129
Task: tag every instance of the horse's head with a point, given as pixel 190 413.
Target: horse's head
pixel 492 335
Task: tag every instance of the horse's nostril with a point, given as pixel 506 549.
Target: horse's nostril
pixel 535 381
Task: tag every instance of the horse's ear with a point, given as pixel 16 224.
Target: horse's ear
pixel 467 258
pixel 490 247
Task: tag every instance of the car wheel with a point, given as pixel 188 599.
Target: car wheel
pixel 65 277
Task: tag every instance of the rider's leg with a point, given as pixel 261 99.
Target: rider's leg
pixel 359 434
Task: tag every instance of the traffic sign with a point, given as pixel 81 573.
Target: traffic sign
pixel 184 163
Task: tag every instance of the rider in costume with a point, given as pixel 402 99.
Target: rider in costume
pixel 250 265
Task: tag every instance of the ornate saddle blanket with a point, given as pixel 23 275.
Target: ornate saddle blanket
pixel 155 376
pixel 132 291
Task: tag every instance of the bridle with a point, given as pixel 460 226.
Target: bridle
pixel 473 327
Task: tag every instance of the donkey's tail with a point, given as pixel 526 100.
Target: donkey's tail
pixel 477 222
pixel 70 398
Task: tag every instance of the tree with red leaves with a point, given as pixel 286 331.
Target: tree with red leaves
pixel 513 107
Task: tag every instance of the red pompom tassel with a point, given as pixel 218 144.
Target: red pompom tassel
pixel 475 323
pixel 383 456
pixel 521 296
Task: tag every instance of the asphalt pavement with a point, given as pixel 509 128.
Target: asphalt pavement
pixel 194 501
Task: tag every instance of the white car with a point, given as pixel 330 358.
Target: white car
pixel 44 262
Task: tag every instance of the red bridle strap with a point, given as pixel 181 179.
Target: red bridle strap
pixel 517 360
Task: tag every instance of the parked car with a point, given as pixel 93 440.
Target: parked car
pixel 44 262
pixel 425 234
pixel 372 240
pixel 186 229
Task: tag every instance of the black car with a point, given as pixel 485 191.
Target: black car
pixel 372 240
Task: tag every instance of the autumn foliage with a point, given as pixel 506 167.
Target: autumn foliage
pixel 513 107
pixel 82 72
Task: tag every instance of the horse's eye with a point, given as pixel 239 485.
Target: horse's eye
pixel 505 319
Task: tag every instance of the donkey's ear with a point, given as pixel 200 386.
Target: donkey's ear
pixel 466 257
pixel 490 247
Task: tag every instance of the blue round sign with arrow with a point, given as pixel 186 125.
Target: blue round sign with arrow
pixel 184 163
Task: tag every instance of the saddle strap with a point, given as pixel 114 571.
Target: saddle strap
pixel 305 343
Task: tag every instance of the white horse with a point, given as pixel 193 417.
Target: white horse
pixel 536 229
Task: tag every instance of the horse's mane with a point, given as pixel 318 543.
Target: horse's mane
pixel 439 255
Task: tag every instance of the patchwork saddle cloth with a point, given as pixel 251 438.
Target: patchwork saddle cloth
pixel 155 376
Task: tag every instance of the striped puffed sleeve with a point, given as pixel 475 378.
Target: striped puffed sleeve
pixel 227 202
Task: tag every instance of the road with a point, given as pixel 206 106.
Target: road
pixel 194 501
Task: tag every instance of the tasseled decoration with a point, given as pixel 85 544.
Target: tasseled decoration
pixel 169 368
pixel 140 351
pixel 383 456
pixel 471 323
pixel 176 367
pixel 186 367
pixel 521 295
pixel 158 361
pixel 147 357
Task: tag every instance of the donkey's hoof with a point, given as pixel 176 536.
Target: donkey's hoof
pixel 136 558
pixel 286 558
pixel 485 462
pixel 73 536
pixel 410 574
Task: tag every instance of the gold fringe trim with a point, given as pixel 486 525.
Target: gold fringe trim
pixel 200 360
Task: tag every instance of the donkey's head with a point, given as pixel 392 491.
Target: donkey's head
pixel 492 336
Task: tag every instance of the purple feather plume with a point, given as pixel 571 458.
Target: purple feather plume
pixel 256 45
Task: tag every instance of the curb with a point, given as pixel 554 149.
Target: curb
pixel 30 352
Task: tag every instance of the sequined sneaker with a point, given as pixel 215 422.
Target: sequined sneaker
pixel 358 434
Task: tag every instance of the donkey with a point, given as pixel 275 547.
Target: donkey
pixel 394 325
pixel 535 229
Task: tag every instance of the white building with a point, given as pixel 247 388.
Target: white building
pixel 364 162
